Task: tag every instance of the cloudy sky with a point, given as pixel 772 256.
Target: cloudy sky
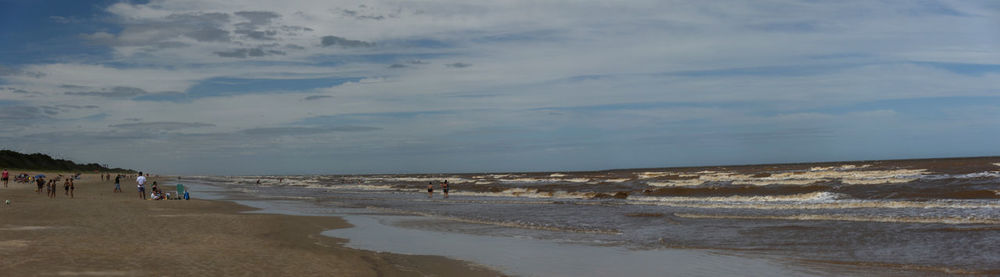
pixel 319 86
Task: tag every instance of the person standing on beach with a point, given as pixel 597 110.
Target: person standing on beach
pixel 52 188
pixel 141 181
pixel 5 177
pixel 66 186
pixel 430 189
pixel 40 183
pixel 118 185
pixel 71 188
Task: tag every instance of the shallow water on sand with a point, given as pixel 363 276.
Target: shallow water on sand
pixel 522 256
pixel 889 217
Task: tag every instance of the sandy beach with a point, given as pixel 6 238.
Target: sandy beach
pixel 101 233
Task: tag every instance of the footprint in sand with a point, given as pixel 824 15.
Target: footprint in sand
pixel 24 228
pixel 13 244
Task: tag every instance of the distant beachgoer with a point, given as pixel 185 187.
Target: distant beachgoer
pixel 66 186
pixel 258 181
pixel 54 186
pixel 141 187
pixel 5 177
pixel 444 187
pixel 41 183
pixel 71 188
pixel 430 189
pixel 118 186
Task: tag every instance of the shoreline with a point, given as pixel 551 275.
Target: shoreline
pixel 104 233
pixel 422 226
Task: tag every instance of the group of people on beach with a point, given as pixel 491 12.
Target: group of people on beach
pixel 50 186
pixel 444 187
pixel 118 181
pixel 155 192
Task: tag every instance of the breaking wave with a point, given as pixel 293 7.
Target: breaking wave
pixel 837 217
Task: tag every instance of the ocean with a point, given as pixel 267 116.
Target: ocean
pixel 902 217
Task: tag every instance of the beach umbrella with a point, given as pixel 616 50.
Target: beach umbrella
pixel 39 176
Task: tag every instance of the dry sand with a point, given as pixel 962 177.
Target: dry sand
pixel 100 233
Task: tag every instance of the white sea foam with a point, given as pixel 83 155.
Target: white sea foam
pixel 654 174
pixel 360 187
pixel 308 183
pixel 450 179
pixel 676 183
pixel 987 174
pixel 557 175
pixel 819 174
pixel 877 181
pixel 494 176
pixel 544 180
pixel 812 196
pixel 805 201
pixel 838 217
pixel 775 181
pixel 528 193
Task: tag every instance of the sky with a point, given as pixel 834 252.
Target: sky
pixel 252 87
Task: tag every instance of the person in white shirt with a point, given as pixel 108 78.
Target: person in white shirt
pixel 141 180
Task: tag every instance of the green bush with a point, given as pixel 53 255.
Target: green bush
pixel 38 161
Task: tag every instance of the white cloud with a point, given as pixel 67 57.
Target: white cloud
pixel 503 64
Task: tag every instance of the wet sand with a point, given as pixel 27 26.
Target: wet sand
pixel 116 234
